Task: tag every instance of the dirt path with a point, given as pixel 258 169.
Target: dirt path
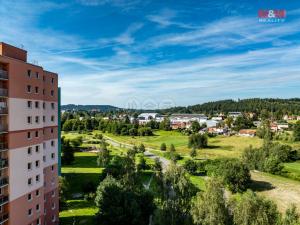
pixel 281 190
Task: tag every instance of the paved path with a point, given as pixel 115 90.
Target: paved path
pixel 164 162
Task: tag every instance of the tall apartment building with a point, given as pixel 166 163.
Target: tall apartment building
pixel 28 141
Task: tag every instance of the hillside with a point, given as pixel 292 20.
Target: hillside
pixel 102 108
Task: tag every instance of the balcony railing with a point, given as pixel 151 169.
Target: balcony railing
pixel 3 181
pixel 3 163
pixel 3 146
pixel 3 128
pixel 3 110
pixel 3 92
pixel 3 218
pixel 3 74
pixel 3 200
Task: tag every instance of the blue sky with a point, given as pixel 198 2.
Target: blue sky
pixel 155 54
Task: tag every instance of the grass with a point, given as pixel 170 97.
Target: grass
pixel 220 146
pixel 292 170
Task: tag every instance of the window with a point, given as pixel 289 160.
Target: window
pixel 37 75
pixel 44 119
pixel 52 93
pixel 44 158
pixel 37 105
pixel 52 105
pixel 44 91
pixel 28 135
pixel 52 80
pixel 38 221
pixel 29 212
pixel 29 166
pixel 53 194
pixel 28 88
pixel 36 90
pixel 52 168
pixel 37 178
pixel 37 119
pixel 37 134
pixel 52 118
pixel 29 150
pixel 29 197
pixel 44 145
pixel 29 181
pixel 37 149
pixel 37 207
pixel 53 218
pixel 44 78
pixel 29 120
pixel 37 192
pixel 44 105
pixel 52 155
pixel 53 205
pixel 52 130
pixel 29 73
pixel 52 143
pixel 37 163
pixel 29 104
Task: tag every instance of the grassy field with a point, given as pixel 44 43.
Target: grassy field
pixel 220 146
pixel 293 170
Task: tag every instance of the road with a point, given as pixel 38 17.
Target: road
pixel 164 162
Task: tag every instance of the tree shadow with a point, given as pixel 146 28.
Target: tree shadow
pixel 257 185
pixel 77 220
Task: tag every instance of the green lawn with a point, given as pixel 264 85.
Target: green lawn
pixel 293 170
pixel 220 146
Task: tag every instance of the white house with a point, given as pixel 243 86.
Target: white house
pixel 146 117
pixel 234 114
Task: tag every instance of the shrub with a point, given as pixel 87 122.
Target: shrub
pixel 163 147
pixel 197 141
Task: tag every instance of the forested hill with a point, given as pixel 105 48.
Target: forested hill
pixel 281 106
pixel 102 108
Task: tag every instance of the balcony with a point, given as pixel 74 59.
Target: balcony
pixel 3 200
pixel 3 218
pixel 3 164
pixel 3 146
pixel 3 182
pixel 3 128
pixel 3 75
pixel 3 92
pixel 3 110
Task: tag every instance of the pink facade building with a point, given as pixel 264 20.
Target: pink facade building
pixel 28 141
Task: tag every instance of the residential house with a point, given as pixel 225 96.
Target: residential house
pixel 247 133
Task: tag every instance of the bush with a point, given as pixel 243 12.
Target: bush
pixel 163 147
pixel 190 166
pixel 197 141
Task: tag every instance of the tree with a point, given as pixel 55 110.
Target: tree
pixel 190 166
pixel 172 148
pixel 177 194
pixel 209 207
pixel 229 121
pixel 291 216
pixel 252 209
pixel 119 205
pixel 297 131
pixel 142 148
pixel 165 125
pixel 197 141
pixel 193 153
pixel 157 167
pixel 67 152
pixel 242 122
pixel 68 125
pixel 195 127
pixel 141 165
pixel 163 147
pixel 63 187
pixel 103 156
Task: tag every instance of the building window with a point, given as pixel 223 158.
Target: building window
pixel 37 105
pixel 44 91
pixel 29 150
pixel 38 221
pixel 37 149
pixel 52 130
pixel 28 88
pixel 29 104
pixel 52 118
pixel 52 155
pixel 44 158
pixel 44 145
pixel 37 207
pixel 53 194
pixel 37 75
pixel 36 90
pixel 44 119
pixel 52 105
pixel 37 178
pixel 44 105
pixel 37 163
pixel 52 143
pixel 37 192
pixel 52 80
pixel 52 93
pixel 29 73
pixel 29 197
pixel 29 120
pixel 53 218
pixel 29 135
pixel 29 166
pixel 29 212
pixel 29 181
pixel 53 205
pixel 37 134
pixel 44 78
pixel 37 119
pixel 52 168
